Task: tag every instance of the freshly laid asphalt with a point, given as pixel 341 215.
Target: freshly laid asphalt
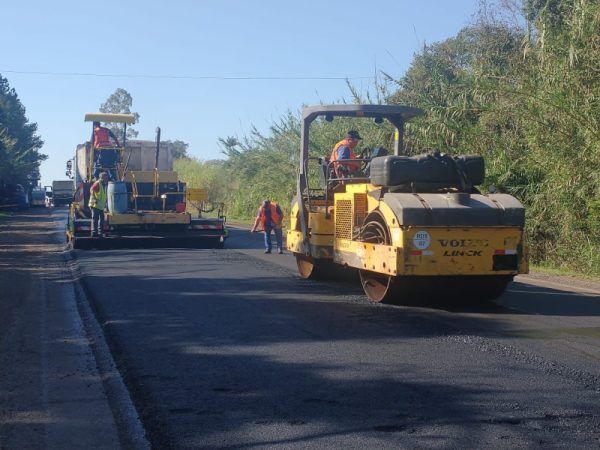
pixel 230 349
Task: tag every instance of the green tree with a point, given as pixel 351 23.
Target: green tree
pixel 20 146
pixel 525 97
pixel 178 149
pixel 120 102
pixel 210 175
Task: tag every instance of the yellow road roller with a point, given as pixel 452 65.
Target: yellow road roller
pixel 414 227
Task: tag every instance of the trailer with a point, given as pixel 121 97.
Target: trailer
pixel 62 192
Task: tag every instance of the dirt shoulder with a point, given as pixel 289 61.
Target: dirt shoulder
pixel 563 282
pixel 51 395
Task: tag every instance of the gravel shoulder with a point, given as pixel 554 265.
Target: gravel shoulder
pixel 51 393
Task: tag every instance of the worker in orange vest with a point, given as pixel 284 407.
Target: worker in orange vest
pixel 344 150
pixel 270 217
pixel 102 136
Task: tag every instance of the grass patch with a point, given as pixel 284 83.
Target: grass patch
pixel 549 269
pixel 245 222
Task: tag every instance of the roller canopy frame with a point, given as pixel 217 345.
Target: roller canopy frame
pixel 406 112
pixel 396 115
pixel 111 118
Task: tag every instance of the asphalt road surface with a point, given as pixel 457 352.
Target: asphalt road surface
pixel 230 349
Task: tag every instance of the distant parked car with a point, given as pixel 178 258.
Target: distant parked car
pixel 13 196
pixel 38 197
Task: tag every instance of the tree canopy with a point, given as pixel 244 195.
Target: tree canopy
pixel 20 146
pixel 178 148
pixel 120 102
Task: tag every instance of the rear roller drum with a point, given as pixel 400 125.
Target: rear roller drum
pixel 377 286
pixel 311 268
pixel 435 290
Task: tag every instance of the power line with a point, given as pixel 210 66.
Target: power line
pixel 180 77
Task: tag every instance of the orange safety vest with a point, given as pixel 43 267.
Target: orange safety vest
pixel 275 216
pixel 101 137
pixel 353 166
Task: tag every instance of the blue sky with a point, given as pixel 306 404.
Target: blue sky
pixel 222 38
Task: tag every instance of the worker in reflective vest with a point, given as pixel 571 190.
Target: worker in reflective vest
pixel 97 204
pixel 270 217
pixel 102 136
pixel 344 150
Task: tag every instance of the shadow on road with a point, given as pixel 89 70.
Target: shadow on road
pixel 242 239
pixel 222 349
pixel 530 299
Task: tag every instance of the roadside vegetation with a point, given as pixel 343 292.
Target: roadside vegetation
pixel 518 86
pixel 20 146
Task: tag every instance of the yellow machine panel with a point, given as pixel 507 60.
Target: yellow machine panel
pixel 453 251
pixel 350 212
pixel 294 241
pixel 435 251
pixel 149 217
pixel 162 176
pixel 320 238
pixel 375 257
pixel 320 224
pixel 196 194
